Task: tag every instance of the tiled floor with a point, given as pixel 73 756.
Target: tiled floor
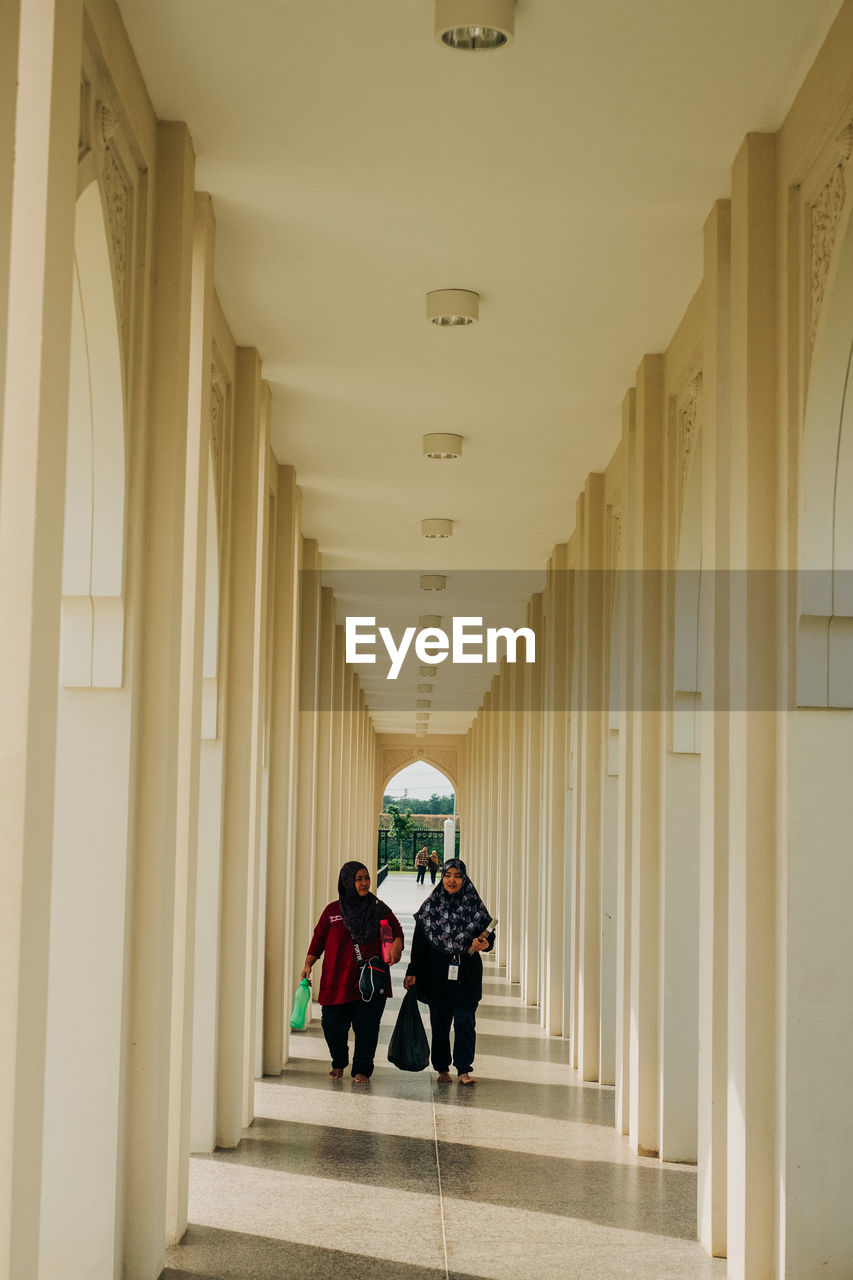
pixel 405 1179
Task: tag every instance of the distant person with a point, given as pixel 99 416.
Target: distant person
pixel 421 862
pixel 354 917
pixel 433 866
pixel 450 933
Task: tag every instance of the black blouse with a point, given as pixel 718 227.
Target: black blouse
pixel 429 967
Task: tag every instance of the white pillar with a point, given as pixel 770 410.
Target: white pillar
pixel 588 770
pixel 152 893
pixel 283 768
pixel 624 867
pixel 752 1115
pixel 36 254
pixel 240 776
pixel 647 748
pixel 714 731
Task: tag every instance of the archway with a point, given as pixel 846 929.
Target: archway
pixel 430 796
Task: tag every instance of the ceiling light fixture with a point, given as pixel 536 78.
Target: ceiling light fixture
pixel 433 582
pixel 448 307
pixel 423 702
pixel 437 528
pixel 424 688
pixel 474 24
pixel 429 620
pixel 428 671
pixel 440 445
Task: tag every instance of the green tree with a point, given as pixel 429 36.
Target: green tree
pixel 402 826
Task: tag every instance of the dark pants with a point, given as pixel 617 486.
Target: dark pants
pixel 421 875
pixel 433 872
pixel 441 1016
pixel 364 1018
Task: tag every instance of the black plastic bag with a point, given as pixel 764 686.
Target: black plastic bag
pixel 409 1046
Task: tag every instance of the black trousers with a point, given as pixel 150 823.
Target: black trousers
pixel 441 1017
pixel 364 1020
pixel 421 875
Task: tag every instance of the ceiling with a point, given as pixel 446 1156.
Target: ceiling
pixel 356 163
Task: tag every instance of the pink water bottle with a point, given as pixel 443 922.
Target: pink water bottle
pixel 386 937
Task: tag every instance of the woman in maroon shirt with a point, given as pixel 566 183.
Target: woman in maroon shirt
pixel 355 917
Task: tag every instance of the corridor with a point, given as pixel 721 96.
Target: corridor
pixel 523 1175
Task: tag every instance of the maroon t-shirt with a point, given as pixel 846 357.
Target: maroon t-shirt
pixel 333 941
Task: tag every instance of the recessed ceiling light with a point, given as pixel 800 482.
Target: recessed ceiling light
pixel 429 620
pixel 427 671
pixel 441 445
pixel 433 582
pixel 474 24
pixel 433 528
pixel 423 702
pixel 424 688
pixel 449 307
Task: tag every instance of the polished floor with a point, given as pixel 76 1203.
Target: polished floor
pixel 405 1179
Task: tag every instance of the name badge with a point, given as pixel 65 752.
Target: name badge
pixel 453 971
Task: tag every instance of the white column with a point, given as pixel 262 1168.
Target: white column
pixel 302 887
pixel 752 1114
pixel 326 854
pixel 36 253
pixel 189 726
pixel 283 767
pixel 714 731
pixel 591 720
pixel 647 748
pixel 556 717
pixel 152 893
pixel 241 758
pixel 624 873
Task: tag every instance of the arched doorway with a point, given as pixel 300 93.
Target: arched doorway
pixel 417 801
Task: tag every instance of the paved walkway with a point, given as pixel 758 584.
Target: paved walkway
pixel 521 1178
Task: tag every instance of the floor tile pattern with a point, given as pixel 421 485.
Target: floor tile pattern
pixel 405 1179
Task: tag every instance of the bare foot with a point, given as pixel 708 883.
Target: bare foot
pixel 465 1078
pixel 444 1077
pixel 360 1079
pixel 337 1073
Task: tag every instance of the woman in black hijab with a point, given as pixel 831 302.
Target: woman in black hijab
pixel 356 916
pixel 450 933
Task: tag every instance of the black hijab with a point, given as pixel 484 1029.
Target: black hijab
pixel 360 915
pixel 451 921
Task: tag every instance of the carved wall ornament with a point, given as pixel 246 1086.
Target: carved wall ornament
pixel 445 759
pixel 117 199
pixel 825 217
pixel 616 513
pixel 394 758
pixel 688 411
pixel 217 417
pixel 84 145
pixel 108 121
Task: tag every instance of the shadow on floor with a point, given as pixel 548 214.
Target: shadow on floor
pixel 659 1200
pixel 549 1101
pixel 208 1253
